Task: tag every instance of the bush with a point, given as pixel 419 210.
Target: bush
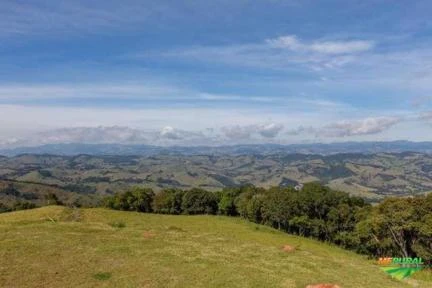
pixel 23 206
pixel 4 208
pixel 52 199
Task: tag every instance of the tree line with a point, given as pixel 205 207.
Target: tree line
pixel 49 199
pixel 395 227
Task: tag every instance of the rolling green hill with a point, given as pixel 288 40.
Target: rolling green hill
pixel 371 176
pixel 61 247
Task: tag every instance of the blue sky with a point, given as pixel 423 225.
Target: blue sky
pixel 214 72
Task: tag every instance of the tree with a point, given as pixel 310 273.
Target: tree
pixel 135 199
pixel 227 199
pixel 423 242
pixel 242 202
pixel 52 199
pixel 198 201
pixel 168 201
pixel 300 225
pixel 277 207
pixel 254 208
pixel 341 218
pixel 143 198
pixel 4 208
pixel 398 226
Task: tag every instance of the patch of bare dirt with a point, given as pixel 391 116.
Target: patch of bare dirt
pixel 148 235
pixel 288 248
pixel 323 286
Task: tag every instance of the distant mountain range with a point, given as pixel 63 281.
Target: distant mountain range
pixel 261 149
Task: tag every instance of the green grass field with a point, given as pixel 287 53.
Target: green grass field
pixel 60 247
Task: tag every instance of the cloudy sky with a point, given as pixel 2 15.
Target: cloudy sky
pixel 214 72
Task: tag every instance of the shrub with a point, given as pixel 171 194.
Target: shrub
pixel 4 208
pixel 52 199
pixel 23 206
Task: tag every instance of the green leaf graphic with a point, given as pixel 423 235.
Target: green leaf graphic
pixel 401 272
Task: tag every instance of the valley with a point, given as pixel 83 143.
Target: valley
pixel 85 177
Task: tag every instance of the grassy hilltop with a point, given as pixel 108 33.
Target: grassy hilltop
pixel 60 247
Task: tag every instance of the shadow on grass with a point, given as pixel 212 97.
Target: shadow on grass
pixel 117 224
pixel 102 276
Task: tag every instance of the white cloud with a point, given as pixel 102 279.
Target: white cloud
pixel 126 135
pixel 88 135
pixel 89 91
pixel 326 47
pixel 346 65
pixel 151 93
pixel 342 47
pixel 285 52
pixel 229 97
pixel 290 42
pixel 191 124
pixel 365 126
pixel 302 130
pixel 270 130
pixel 349 128
pixel 28 125
pixel 426 116
pixel 170 133
pixel 110 135
pixel 94 135
pixel 237 132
